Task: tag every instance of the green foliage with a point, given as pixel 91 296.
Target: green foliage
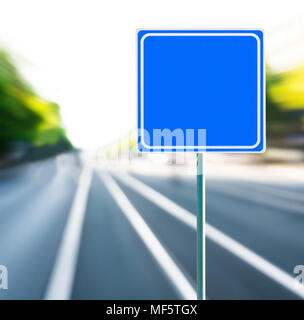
pixel 284 99
pixel 273 108
pixel 24 116
pixel 288 92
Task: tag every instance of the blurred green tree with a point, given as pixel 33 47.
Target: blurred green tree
pixel 25 116
pixel 282 106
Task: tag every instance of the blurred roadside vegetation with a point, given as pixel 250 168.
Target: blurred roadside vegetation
pixel 285 107
pixel 27 121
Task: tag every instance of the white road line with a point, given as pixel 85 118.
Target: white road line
pixel 176 276
pixel 274 191
pixel 256 197
pixel 61 281
pixel 256 261
pixel 223 240
pixel 163 202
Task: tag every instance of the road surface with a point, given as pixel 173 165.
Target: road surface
pixel 78 230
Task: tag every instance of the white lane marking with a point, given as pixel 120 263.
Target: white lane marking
pixel 176 276
pixel 163 202
pixel 253 259
pixel 223 240
pixel 61 281
pixel 274 191
pixel 278 203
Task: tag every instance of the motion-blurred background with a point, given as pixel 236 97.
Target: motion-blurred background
pixel 84 216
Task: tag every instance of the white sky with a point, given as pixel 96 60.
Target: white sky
pixel 82 54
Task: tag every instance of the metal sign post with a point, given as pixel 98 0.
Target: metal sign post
pixel 200 232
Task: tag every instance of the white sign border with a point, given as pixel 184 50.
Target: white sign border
pixel 209 33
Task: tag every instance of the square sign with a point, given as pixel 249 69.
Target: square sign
pixel 201 90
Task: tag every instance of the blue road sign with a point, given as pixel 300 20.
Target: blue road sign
pixel 201 90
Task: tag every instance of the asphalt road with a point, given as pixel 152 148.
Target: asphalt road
pixel 72 233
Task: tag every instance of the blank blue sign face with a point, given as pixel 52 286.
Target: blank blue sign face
pixel 201 90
